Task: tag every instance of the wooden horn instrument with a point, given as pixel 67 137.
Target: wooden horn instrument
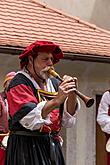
pixel 87 100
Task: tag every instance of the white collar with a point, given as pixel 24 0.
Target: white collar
pixel 49 84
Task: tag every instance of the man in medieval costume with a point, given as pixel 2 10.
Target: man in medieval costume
pixel 38 106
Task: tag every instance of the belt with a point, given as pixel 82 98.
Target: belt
pixel 27 133
pixel 36 133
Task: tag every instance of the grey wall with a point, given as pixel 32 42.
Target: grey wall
pixel 8 63
pixel 93 11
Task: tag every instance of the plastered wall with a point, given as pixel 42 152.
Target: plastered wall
pixel 93 11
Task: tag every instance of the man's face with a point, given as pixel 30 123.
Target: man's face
pixel 42 62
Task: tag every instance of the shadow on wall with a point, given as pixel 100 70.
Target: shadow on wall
pixel 101 14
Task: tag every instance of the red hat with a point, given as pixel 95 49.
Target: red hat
pixel 41 46
pixel 8 77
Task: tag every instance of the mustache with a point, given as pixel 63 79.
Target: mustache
pixel 44 72
pixel 47 68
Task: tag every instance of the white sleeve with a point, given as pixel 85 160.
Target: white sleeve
pixel 67 119
pixel 103 118
pixel 33 120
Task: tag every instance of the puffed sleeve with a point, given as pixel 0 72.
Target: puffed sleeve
pixel 33 120
pixel 67 119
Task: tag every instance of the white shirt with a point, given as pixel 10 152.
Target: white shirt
pixel 103 118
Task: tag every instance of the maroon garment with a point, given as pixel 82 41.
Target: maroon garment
pixel 3 115
pixel 2 153
pixel 107 137
pixel 108 153
pixel 108 158
pixel 3 126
